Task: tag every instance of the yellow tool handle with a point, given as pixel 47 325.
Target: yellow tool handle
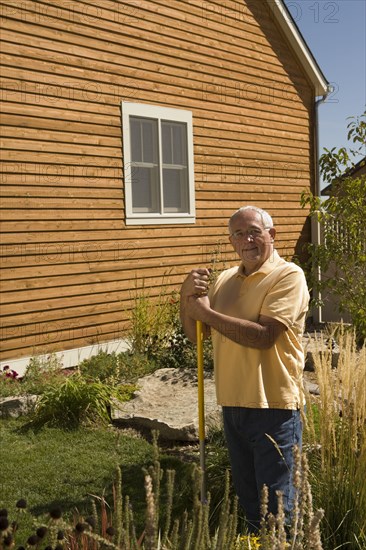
pixel 201 409
pixel 201 399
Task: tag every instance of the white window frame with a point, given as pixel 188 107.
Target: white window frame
pixel 158 113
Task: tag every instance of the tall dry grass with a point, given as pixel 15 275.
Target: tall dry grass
pixel 336 438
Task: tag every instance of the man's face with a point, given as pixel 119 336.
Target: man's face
pixel 250 240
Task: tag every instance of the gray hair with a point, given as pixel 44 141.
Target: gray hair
pixel 266 218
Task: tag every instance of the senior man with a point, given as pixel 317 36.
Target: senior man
pixel 255 313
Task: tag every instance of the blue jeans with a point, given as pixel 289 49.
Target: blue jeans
pixel 256 460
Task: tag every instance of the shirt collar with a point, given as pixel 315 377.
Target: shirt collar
pixel 268 266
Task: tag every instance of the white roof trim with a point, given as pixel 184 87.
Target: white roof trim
pixel 300 47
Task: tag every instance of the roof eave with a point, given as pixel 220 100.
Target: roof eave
pixel 295 38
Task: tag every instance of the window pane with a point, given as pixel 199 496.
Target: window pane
pixel 145 191
pixel 144 138
pixel 149 140
pixel 136 145
pixel 175 187
pixel 179 141
pixel 174 142
pixel 166 143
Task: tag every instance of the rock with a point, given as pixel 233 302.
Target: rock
pixel 311 387
pixel 315 344
pixel 167 401
pixel 16 406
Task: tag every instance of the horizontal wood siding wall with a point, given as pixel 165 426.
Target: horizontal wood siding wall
pixel 69 263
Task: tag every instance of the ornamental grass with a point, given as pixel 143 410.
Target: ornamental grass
pixel 336 441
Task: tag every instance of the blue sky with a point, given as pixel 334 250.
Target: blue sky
pixel 335 33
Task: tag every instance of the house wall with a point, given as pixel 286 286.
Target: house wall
pixel 70 265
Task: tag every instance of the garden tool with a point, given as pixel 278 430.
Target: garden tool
pixel 201 409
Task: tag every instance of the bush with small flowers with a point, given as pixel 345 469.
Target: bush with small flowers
pixel 9 382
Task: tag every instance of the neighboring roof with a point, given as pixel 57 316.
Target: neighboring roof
pixel 297 41
pixel 357 170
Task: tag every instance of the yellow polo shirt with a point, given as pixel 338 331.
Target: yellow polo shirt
pixel 250 377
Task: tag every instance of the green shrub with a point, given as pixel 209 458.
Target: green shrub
pixel 103 366
pixel 42 372
pixel 116 368
pixel 341 256
pixel 179 352
pixel 77 401
pixel 135 365
pixel 157 334
pixel 151 323
pixel 217 464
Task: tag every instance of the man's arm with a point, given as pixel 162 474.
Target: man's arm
pixel 195 284
pixel 189 324
pixel 261 335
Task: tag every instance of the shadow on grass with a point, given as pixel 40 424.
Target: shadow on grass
pixel 92 484
pixel 68 424
pixel 71 506
pixel 184 490
pixel 132 486
pixel 36 427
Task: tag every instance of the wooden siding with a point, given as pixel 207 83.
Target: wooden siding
pixel 69 263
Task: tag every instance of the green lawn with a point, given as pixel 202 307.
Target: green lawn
pixel 56 467
pixel 53 467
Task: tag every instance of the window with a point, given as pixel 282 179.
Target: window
pixel 158 164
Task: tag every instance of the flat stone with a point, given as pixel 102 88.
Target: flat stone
pixel 167 401
pixel 311 387
pixel 315 345
pixel 17 406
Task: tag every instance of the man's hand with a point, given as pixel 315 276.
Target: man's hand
pixel 193 301
pixel 197 306
pixel 196 284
